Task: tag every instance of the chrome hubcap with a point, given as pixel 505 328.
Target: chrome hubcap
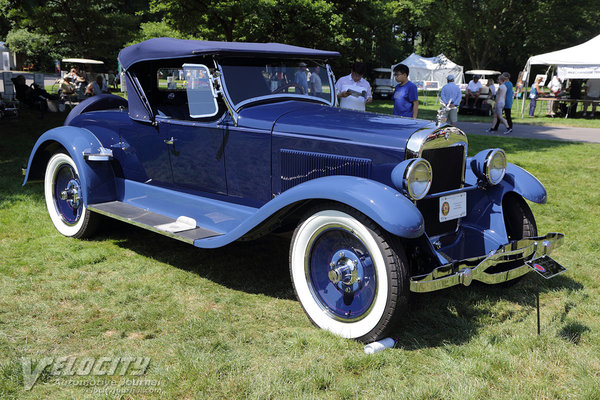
pixel 343 271
pixel 71 193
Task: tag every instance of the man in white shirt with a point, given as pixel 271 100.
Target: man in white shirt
pixel 451 95
pixel 592 92
pixel 473 91
pixel 352 90
pixel 97 87
pixel 555 87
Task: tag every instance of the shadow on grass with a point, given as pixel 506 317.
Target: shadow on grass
pixel 261 267
pixel 456 314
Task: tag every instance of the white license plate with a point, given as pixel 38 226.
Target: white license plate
pixel 453 207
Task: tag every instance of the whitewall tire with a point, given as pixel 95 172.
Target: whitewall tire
pixel 349 275
pixel 64 198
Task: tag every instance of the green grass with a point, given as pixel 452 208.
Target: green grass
pixel 429 111
pixel 224 324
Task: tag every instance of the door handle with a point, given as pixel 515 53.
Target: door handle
pixel 170 141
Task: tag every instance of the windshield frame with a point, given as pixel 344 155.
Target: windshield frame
pixel 278 96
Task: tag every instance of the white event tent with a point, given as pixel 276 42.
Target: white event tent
pixel 577 62
pixel 432 68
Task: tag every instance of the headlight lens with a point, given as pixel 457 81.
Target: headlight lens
pixel 413 177
pixel 495 166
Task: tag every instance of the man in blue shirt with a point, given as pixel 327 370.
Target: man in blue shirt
pixel 508 102
pixel 302 78
pixel 451 96
pixel 406 97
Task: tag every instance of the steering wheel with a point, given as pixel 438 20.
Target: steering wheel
pixel 289 85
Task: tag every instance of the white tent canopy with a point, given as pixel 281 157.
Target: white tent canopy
pixel 577 62
pixel 432 68
pixel 81 61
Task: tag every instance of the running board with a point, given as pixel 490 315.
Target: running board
pixel 152 221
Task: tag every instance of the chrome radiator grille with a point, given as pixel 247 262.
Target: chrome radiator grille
pixel 447 164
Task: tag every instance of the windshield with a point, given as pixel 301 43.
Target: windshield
pixel 250 79
pixel 383 74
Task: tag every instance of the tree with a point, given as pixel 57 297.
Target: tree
pixel 92 29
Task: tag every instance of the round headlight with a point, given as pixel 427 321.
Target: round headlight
pixel 417 179
pixel 495 166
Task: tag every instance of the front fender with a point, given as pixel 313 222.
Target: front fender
pixel 525 184
pixel 97 177
pixel 384 205
pixel 516 180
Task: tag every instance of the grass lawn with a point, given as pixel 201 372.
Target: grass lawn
pixel 429 111
pixel 224 323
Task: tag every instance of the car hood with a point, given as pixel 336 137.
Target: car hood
pixel 316 120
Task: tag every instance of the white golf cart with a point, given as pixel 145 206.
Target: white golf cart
pixel 384 85
pixel 485 102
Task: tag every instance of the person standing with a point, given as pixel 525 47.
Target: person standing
pixel 592 92
pixel 302 77
pixel 451 95
pixel 508 103
pixel 555 88
pixel 406 95
pixel 316 85
pixel 353 91
pixel 533 95
pixel 499 107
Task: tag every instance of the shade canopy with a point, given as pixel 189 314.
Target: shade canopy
pixel 168 48
pixel 82 61
pixel 432 68
pixel 483 72
pixel 577 62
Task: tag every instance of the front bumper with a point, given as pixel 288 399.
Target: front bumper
pixel 465 271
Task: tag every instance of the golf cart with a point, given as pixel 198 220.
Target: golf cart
pixel 384 86
pixel 484 103
pixel 89 70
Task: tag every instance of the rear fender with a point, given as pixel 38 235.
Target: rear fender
pixel 97 177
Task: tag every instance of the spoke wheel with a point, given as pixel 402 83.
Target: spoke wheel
pixel 349 276
pixel 64 198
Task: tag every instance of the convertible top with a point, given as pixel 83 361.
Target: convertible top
pixel 165 48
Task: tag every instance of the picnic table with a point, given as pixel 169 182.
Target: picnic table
pixel 570 103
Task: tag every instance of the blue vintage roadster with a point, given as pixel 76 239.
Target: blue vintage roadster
pixel 225 141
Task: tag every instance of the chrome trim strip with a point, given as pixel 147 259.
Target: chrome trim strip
pixel 292 96
pixel 467 270
pixel 449 192
pixel 223 92
pixel 428 138
pixel 336 140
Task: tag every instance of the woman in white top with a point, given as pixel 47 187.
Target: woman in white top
pixel 500 99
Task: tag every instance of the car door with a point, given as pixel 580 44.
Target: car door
pixel 188 120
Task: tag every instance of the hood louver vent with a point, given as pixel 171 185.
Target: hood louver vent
pixel 301 166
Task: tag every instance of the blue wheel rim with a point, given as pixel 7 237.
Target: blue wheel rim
pixel 341 274
pixel 69 210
